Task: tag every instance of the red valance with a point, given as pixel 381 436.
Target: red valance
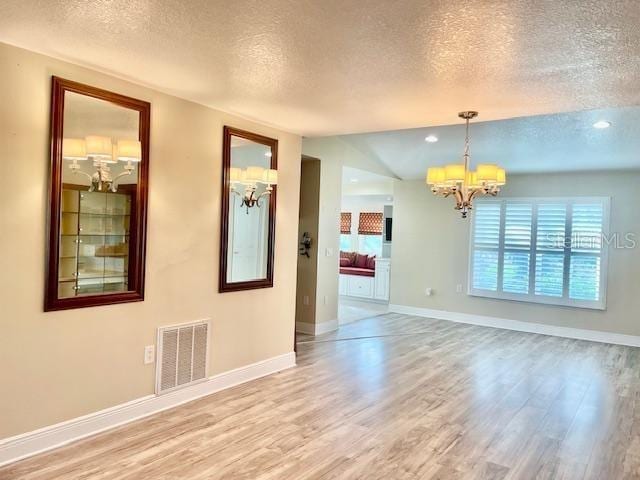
pixel 345 222
pixel 370 223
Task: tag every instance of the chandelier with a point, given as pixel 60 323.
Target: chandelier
pixel 459 181
pixel 251 178
pixel 103 152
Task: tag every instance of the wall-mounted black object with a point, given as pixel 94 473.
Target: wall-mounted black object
pixel 387 228
pixel 305 245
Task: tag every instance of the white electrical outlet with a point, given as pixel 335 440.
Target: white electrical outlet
pixel 326 300
pixel 428 292
pixel 459 288
pixel 149 354
pixel 328 252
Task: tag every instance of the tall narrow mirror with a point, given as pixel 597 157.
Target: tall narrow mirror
pixel 250 179
pixel 100 143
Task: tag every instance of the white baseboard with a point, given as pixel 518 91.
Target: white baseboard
pixel 47 438
pixel 520 326
pixel 326 327
pixel 306 328
pixel 317 328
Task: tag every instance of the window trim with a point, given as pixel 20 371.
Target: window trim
pixel 531 297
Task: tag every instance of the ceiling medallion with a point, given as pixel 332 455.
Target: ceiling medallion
pixel 463 184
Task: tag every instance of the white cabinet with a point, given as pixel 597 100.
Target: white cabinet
pixel 358 286
pixel 343 284
pixel 381 283
pixel 372 288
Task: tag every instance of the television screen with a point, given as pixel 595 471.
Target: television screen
pixel 387 229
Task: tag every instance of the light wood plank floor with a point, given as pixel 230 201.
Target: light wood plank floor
pixel 392 397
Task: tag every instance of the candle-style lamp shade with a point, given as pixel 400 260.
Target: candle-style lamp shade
pixel 502 177
pixel 270 177
pixel 74 149
pixel 454 173
pixel 254 174
pixel 235 175
pixel 487 173
pixel 100 148
pixel 129 151
pixel 436 176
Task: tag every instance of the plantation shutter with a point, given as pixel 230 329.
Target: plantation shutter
pixel 550 253
pixel 540 250
pixel 586 251
pixel 486 244
pixel 517 248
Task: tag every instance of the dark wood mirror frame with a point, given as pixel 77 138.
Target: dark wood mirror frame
pixel 223 284
pixel 137 234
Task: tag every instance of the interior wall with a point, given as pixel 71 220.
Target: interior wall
pixel 84 360
pixel 328 241
pixel 431 249
pixel 309 215
pixel 333 154
pixel 368 188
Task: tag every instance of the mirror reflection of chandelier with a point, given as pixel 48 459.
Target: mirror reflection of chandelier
pixel 250 178
pixel 103 152
pixel 459 181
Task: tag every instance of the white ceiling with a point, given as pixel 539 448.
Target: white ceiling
pixel 334 66
pixel 546 143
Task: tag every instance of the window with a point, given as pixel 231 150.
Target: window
pixel 540 250
pixel 370 244
pixel 345 231
pixel 370 233
pixel 345 242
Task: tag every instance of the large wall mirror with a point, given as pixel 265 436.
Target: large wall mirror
pixel 98 197
pixel 249 179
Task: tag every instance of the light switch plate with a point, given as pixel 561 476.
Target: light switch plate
pixel 149 354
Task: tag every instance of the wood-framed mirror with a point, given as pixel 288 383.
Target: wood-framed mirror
pixel 249 184
pixel 98 197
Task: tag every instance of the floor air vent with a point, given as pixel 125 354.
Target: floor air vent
pixel 182 355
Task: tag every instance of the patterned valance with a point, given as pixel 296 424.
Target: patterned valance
pixel 345 222
pixel 370 224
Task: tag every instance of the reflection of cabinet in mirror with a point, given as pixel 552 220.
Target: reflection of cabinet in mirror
pixel 94 240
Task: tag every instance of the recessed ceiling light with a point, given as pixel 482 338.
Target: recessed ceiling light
pixel 431 139
pixel 353 180
pixel 602 124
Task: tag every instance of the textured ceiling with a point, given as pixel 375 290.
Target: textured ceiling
pixel 321 67
pixel 546 143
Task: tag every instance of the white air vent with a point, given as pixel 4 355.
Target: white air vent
pixel 182 355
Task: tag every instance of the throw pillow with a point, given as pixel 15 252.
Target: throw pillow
pixel 361 261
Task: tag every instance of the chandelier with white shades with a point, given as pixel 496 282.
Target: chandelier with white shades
pixel 104 153
pixel 459 181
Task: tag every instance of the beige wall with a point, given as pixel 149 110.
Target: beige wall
pixel 333 153
pixel 59 365
pixel 431 249
pixel 328 240
pixel 309 214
